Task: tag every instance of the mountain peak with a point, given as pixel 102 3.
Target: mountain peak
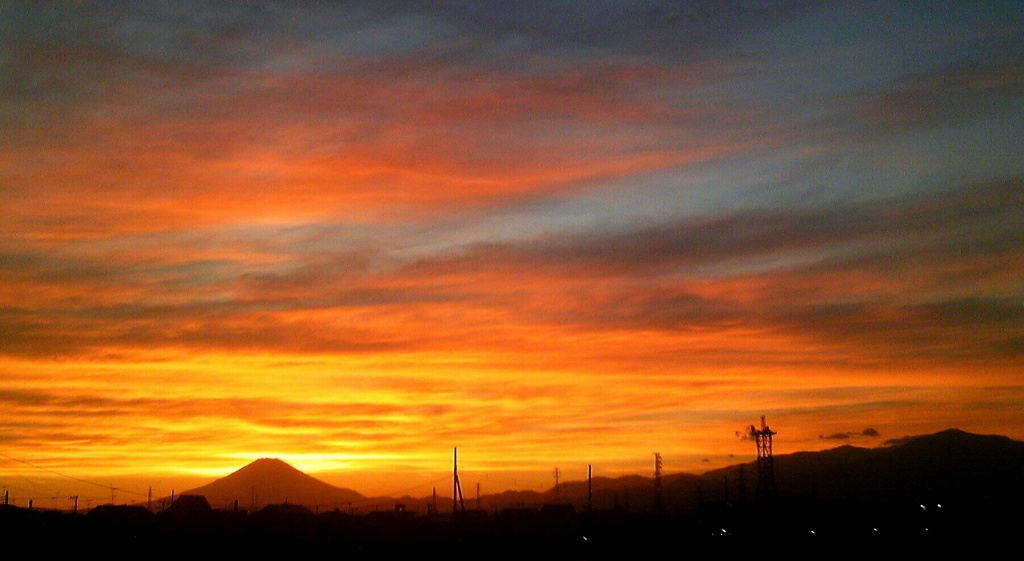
pixel 273 481
pixel 269 461
pixel 268 465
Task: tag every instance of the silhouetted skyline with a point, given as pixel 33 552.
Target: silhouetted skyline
pixel 928 493
pixel 353 236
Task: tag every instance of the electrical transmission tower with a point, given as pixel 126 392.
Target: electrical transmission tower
pixel 659 493
pixel 765 463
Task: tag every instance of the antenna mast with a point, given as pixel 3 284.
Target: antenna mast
pixel 456 486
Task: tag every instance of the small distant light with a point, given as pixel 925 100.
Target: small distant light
pixel 923 507
pixel 585 538
pixel 875 529
pixel 938 505
pixel 812 532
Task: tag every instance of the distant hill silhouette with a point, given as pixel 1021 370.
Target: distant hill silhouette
pixel 922 496
pixel 270 481
pixel 948 465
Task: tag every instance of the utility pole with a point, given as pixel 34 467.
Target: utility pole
pixel 590 487
pixel 556 485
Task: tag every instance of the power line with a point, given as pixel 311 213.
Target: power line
pixel 108 487
pixel 410 489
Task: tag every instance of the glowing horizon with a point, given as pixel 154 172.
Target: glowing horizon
pixel 353 238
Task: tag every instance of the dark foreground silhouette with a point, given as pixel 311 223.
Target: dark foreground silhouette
pixel 950 491
pixel 798 529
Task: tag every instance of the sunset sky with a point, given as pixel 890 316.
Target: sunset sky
pixel 354 236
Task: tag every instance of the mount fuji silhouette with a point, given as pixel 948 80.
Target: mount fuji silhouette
pixel 269 481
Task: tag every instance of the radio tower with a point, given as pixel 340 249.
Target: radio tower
pixel 765 462
pixel 456 487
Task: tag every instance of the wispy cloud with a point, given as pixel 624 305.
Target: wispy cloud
pixel 365 232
